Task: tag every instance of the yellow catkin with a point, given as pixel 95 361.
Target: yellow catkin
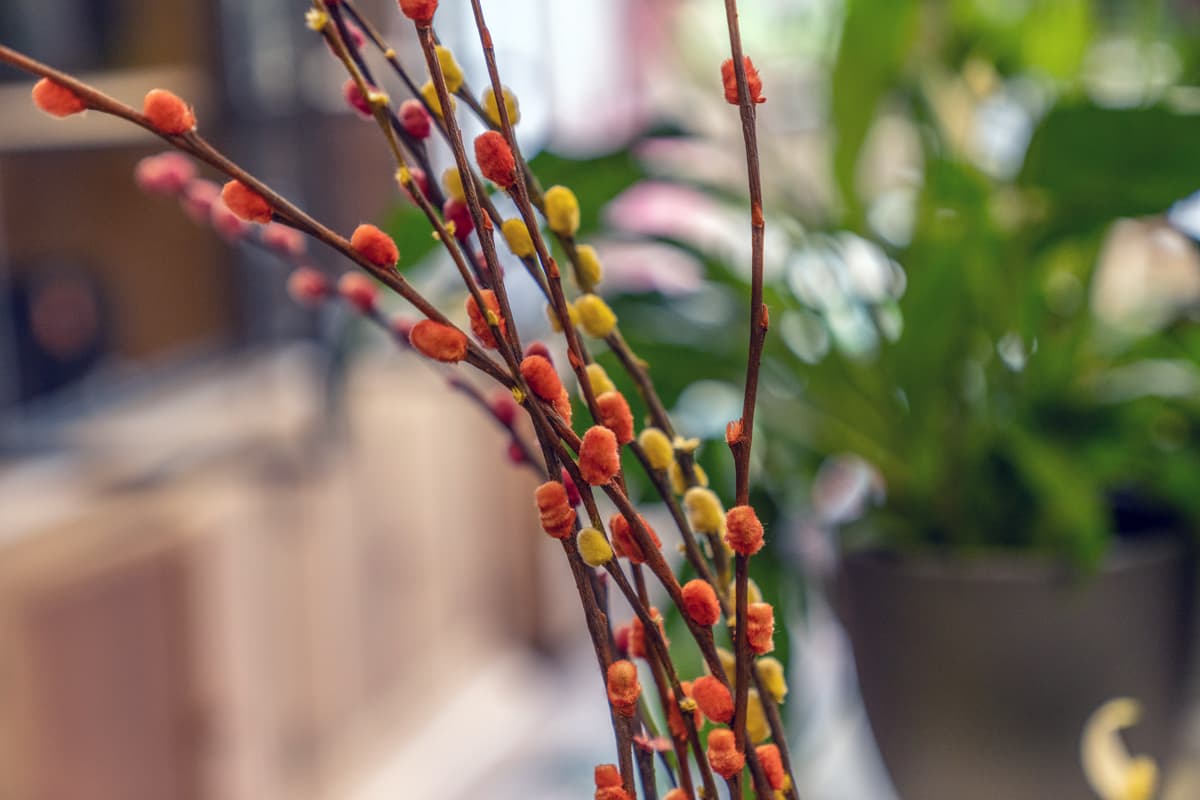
pixel 704 509
pixel 594 548
pixel 753 593
pixel 451 71
pixel 770 672
pixel 589 271
pixel 518 238
pixel 728 663
pixel 429 92
pixel 658 448
pixel 552 315
pixel 678 484
pixel 756 719
pixel 492 110
pixel 562 210
pixel 599 380
pixel 452 183
pixel 596 318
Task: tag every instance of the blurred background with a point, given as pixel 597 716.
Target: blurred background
pixel 250 550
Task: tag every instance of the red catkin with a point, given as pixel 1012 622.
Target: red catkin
pixel 248 204
pixel 624 543
pixel 422 183
pixel 456 211
pixel 415 119
pixel 356 99
pixel 772 765
pixel 616 416
pixel 700 602
pixel 168 113
pixel 623 687
pixel 572 490
pixel 439 342
pixel 495 159
pixel 419 11
pixel 714 698
pixel 760 627
pixel 516 454
pixel 538 349
pixel 621 639
pixel 558 518
pixel 504 407
pixel 599 459
pixel 743 531
pixel 723 754
pixel 753 81
pixel 359 291
pixel 56 99
pixel 543 381
pixel 479 323
pixel 307 286
pixel 375 246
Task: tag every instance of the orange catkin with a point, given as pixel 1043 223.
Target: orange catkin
pixel 760 627
pixel 246 203
pixel 714 698
pixel 558 518
pixel 623 687
pixel 700 602
pixel 479 323
pixel 723 754
pixel 543 381
pixel 495 159
pixel 439 342
pixel 753 81
pixel 56 99
pixel 637 634
pixel 625 544
pixel 419 11
pixel 375 246
pixel 599 459
pixel 675 719
pixel 616 416
pixel 607 775
pixel 676 794
pixel 168 113
pixel 562 405
pixel 772 764
pixel 743 531
pixel 612 793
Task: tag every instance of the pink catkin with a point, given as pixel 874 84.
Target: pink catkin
pixel 57 100
pixel 557 516
pixel 714 698
pixel 284 240
pixel 479 323
pixel 700 602
pixel 356 100
pixel 753 81
pixel 359 291
pixel 625 543
pixel 415 119
pixel 504 407
pixel 439 342
pixel 760 627
pixel 375 246
pixel 229 225
pixel 599 458
pixel 516 454
pixel 168 113
pixel 248 204
pixel 495 159
pixel 165 174
pixel 616 416
pixel 307 286
pixel 198 199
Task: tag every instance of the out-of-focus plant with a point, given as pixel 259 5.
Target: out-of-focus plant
pixel 984 287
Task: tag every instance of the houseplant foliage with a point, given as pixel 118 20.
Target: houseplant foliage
pixel 723 726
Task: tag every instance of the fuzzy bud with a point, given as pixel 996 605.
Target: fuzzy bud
pixel 760 627
pixel 356 100
pixel 772 765
pixel 596 318
pixel 457 212
pixel 700 602
pixel 414 182
pixel 723 754
pixel 167 113
pixel 743 531
pixel 562 210
pixel 57 100
pixel 452 183
pixel 248 204
pixel 198 199
pixel 415 119
pixel 562 406
pixel 599 380
pixel 756 718
pixel 599 459
pixel 419 11
pixel 676 794
pixel 504 407
pixel 770 672
pixel 516 454
pixel 166 173
pixel 491 108
pixel 359 291
pixel 538 349
pixel 623 687
pixel 558 518
pixel 612 793
pixel 607 775
pixel 753 81
pixel 230 226
pixel 704 510
pixel 555 322
pixel 516 234
pixel 430 96
pixel 284 240
pixel 495 159
pixel 679 484
pixel 572 490
pixel 616 416
pixel 451 71
pixel 401 327
pixel 625 542
pixel 588 270
pixel 307 286
pixel 439 342
pixel 675 719
pixel 594 548
pixel 637 634
pixel 479 320
pixel 658 448
pixel 714 698
pixel 375 246
pixel 543 381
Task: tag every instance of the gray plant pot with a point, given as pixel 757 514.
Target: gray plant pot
pixel 978 675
